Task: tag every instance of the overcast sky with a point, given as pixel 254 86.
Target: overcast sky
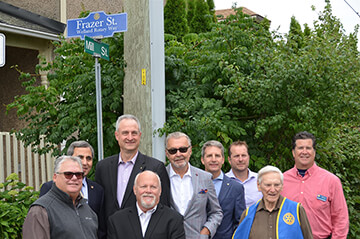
pixel 281 11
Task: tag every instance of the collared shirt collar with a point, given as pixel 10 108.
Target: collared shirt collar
pixel 172 173
pixel 261 205
pixel 251 174
pixel 310 171
pixel 133 160
pixel 220 177
pixel 140 212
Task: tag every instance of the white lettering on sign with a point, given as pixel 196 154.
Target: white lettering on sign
pixel 110 21
pixel 80 24
pixel 90 45
pixel 104 52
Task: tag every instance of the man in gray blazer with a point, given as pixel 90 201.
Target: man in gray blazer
pixel 192 191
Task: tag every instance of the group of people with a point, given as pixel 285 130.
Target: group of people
pixel 136 196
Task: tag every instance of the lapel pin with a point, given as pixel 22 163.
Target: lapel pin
pixel 92 187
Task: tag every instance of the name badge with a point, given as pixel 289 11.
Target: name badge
pixel 321 198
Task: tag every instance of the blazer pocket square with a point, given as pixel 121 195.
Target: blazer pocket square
pixel 203 191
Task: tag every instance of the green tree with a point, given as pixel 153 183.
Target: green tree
pixel 295 38
pixel 239 81
pixel 202 19
pixel 175 21
pixel 66 108
pixel 190 10
pixel 211 5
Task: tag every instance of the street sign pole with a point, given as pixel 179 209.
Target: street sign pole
pixel 98 50
pixel 97 24
pixel 99 109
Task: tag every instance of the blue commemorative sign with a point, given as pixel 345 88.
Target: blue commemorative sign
pixel 97 24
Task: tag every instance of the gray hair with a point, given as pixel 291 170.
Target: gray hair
pixel 60 160
pixel 79 144
pixel 122 117
pixel 269 169
pixel 149 171
pixel 177 135
pixel 214 143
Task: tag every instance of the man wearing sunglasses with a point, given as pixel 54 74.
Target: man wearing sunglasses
pixel 193 192
pixel 116 173
pixel 90 190
pixel 62 212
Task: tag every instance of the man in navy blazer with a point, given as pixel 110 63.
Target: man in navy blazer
pixel 230 193
pixel 148 218
pixel 92 191
pixel 116 173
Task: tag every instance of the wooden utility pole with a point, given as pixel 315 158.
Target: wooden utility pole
pixel 144 83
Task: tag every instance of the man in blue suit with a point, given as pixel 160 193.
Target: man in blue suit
pixel 90 190
pixel 230 193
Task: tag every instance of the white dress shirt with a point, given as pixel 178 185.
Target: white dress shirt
pixel 181 189
pixel 145 217
pixel 84 189
pixel 252 194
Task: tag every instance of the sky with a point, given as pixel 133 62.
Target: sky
pixel 279 12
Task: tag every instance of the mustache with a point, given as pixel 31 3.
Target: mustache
pixel 148 195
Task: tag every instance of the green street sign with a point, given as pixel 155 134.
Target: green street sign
pixel 96 48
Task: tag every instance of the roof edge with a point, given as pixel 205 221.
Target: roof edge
pixel 28 32
pixel 23 14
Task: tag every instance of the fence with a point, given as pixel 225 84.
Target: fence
pixel 33 169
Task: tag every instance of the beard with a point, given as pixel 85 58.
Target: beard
pixel 145 204
pixel 179 165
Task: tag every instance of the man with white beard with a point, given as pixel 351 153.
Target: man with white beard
pixel 147 218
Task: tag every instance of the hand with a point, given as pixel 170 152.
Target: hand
pixel 204 231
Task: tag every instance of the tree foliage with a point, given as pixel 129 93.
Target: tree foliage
pixel 296 37
pixel 239 81
pixel 190 12
pixel 65 109
pixel 211 5
pixel 175 18
pixel 202 18
pixel 15 200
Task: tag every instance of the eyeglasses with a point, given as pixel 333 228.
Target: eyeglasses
pixel 181 149
pixel 70 175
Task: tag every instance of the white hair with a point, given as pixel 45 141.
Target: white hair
pixel 269 169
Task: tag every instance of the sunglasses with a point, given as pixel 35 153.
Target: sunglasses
pixel 181 149
pixel 70 175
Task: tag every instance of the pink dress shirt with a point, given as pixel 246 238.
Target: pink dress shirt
pixel 320 193
pixel 124 172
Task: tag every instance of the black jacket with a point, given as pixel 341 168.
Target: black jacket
pixel 106 176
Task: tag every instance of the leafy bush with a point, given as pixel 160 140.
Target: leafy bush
pixel 65 109
pixel 15 200
pixel 340 154
pixel 240 81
